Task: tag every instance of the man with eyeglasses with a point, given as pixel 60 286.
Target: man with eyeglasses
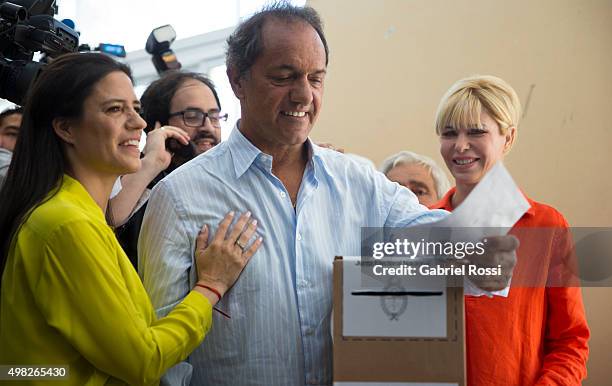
pixel 187 101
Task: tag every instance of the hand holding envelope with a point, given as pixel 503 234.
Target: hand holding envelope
pixel 500 251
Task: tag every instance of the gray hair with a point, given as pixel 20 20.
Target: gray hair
pixel 408 157
pixel 245 44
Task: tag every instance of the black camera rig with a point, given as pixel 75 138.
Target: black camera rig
pixel 28 26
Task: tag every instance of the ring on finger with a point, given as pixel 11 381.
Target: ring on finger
pixel 242 246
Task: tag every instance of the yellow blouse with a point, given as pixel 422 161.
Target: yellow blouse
pixel 71 297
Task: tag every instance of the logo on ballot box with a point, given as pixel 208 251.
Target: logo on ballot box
pixel 392 304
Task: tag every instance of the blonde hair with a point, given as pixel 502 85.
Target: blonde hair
pixel 463 103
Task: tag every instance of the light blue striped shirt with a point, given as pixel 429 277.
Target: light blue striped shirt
pixel 279 331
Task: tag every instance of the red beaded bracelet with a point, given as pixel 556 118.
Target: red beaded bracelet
pixel 211 289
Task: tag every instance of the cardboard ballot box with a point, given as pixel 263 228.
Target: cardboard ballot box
pixel 404 332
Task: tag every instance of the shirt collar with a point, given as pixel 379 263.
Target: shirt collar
pixel 531 210
pixel 446 203
pixel 318 160
pixel 244 153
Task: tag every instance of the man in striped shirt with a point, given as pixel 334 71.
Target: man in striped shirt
pixel 310 202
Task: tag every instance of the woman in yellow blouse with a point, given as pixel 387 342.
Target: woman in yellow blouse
pixel 69 295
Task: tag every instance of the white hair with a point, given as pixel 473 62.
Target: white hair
pixel 408 157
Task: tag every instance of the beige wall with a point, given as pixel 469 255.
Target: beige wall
pixel 391 61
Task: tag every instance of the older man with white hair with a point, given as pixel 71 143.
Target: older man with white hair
pixel 418 173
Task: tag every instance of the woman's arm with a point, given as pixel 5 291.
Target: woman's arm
pixel 566 339
pixel 103 311
pixel 565 346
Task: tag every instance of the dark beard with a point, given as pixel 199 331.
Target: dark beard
pixel 205 135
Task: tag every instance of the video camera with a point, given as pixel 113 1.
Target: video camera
pixel 28 26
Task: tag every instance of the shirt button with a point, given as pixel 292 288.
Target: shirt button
pixel 283 194
pixel 299 237
pixel 313 381
pixel 309 331
pixel 303 284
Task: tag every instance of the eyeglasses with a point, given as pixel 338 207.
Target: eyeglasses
pixel 197 117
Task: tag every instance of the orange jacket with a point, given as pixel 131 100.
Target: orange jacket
pixel 537 335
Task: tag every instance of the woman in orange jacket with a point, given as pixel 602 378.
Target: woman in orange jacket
pixel 538 334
